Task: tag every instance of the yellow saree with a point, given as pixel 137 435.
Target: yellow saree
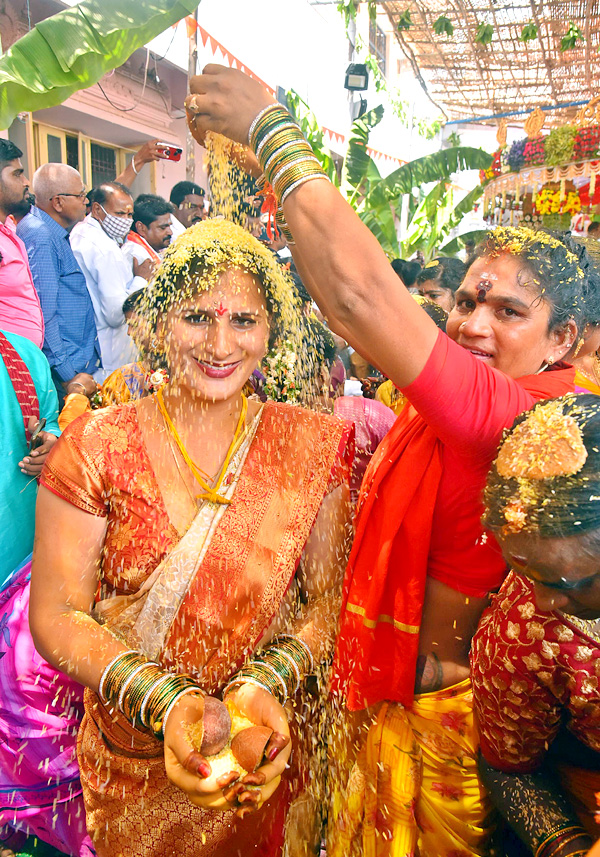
pixel 413 788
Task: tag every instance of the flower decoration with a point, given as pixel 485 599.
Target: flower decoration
pixel 155 380
pixel 547 201
pixel 559 145
pixel 572 204
pixel 515 155
pixel 280 376
pixel 586 142
pixel 547 443
pixel 533 153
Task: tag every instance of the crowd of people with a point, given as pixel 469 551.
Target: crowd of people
pixel 300 545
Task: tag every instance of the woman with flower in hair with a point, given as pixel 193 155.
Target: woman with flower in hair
pixel 421 567
pixel 192 543
pixel 536 656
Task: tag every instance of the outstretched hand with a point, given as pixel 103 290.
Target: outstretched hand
pixel 226 101
pixel 186 767
pixel 191 772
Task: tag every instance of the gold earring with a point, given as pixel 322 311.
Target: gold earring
pixel 580 342
pixel 550 361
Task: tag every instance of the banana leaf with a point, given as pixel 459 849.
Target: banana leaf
pixel 360 170
pixel 73 49
pixel 457 244
pixel 431 168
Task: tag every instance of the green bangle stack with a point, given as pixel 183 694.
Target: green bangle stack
pixel 279 669
pixel 143 692
pixel 284 155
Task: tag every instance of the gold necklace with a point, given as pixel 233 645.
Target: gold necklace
pixel 595 374
pixel 210 492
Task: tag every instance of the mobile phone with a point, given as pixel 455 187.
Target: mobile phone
pixel 35 439
pixel 169 152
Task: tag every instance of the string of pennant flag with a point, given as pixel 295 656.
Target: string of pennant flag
pixel 192 26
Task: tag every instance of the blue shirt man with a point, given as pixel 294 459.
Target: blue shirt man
pixel 70 339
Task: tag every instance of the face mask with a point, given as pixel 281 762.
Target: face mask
pixel 116 227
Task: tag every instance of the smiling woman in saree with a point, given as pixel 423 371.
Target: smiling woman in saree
pixel 199 531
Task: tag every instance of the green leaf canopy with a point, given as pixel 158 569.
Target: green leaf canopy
pixel 73 49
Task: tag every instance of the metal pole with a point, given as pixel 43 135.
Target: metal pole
pixel 190 143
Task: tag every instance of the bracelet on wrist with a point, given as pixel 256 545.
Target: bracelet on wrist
pixel 142 691
pixel 285 157
pixel 133 166
pixel 558 838
pixel 280 668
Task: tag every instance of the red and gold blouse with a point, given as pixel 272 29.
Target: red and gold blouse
pixel 533 671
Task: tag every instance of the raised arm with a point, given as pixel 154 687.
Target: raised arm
pixel 341 262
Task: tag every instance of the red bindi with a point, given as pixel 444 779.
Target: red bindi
pixel 220 310
pixel 482 289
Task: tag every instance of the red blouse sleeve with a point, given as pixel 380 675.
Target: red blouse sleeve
pixel 518 716
pixel 465 402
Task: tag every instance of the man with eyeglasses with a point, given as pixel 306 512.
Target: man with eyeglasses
pixel 97 243
pixel 70 337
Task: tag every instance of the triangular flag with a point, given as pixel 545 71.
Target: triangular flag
pixel 191 25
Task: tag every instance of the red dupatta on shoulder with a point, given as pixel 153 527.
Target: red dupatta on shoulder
pixel 384 587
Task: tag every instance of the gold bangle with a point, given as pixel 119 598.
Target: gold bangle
pixel 298 648
pixel 285 666
pixel 127 681
pixel 284 132
pixel 557 833
pixel 259 116
pixel 186 692
pixel 115 671
pixel 283 226
pixel 270 120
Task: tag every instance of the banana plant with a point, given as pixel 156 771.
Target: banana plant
pixel 377 200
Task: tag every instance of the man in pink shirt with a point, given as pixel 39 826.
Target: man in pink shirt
pixel 20 310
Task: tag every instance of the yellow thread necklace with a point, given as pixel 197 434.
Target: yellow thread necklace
pixel 210 493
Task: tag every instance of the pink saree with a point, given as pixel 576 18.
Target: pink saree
pixel 40 712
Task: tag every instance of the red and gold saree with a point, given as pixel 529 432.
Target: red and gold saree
pixel 200 605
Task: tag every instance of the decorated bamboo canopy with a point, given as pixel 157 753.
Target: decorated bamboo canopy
pixel 479 57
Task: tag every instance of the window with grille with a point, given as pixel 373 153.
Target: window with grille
pixel 377 45
pixel 104 164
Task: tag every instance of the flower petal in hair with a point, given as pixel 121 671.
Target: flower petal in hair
pixel 548 443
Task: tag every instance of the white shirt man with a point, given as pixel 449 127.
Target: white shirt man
pixel 96 243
